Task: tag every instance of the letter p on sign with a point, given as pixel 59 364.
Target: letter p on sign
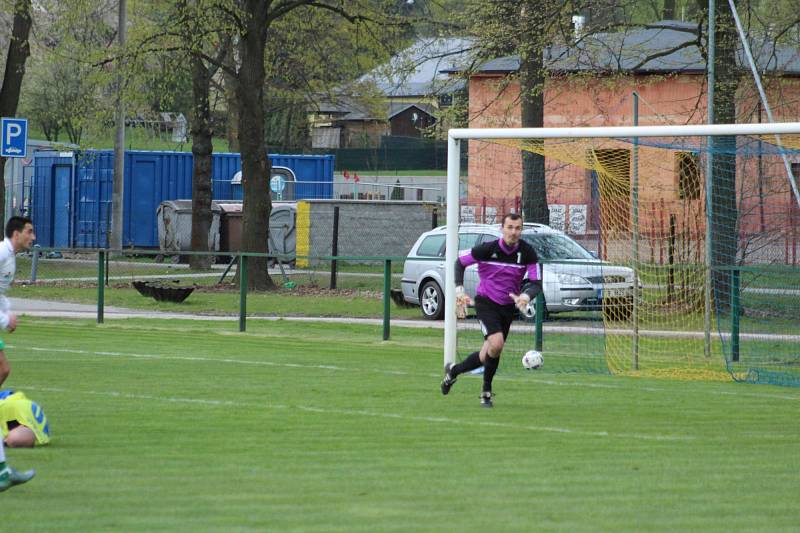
pixel 14 141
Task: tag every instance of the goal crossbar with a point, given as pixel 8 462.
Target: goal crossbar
pixel 690 130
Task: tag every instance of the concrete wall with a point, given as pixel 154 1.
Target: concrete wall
pixel 366 228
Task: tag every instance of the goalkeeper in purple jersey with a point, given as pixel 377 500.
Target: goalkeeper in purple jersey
pixel 502 266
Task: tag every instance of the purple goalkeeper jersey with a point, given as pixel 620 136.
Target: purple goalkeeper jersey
pixel 501 269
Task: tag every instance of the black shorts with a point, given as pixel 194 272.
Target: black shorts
pixel 494 317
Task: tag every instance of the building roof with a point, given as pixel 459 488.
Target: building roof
pixel 420 69
pixel 416 72
pixel 397 108
pixel 667 46
pixel 356 112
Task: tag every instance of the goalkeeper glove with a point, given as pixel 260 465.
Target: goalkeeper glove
pixel 462 301
pixel 521 300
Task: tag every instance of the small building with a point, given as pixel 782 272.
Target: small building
pixel 411 89
pixel 410 120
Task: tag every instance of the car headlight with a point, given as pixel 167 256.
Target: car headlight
pixel 570 279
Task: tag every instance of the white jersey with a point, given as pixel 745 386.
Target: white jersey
pixel 8 267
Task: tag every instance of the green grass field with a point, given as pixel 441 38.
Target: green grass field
pixel 192 426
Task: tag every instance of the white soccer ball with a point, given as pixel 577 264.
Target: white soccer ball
pixel 532 360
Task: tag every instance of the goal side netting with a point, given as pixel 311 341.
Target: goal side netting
pixel 666 250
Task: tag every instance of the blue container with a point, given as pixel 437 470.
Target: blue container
pixel 94 187
pixel 72 193
pixel 52 198
pixel 151 178
pixel 314 174
pixel 223 168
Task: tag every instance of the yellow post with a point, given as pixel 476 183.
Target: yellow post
pixel 303 233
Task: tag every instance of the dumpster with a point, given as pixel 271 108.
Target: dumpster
pixel 174 219
pixel 230 227
pixel 282 237
pixel 281 228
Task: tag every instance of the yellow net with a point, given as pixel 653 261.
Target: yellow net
pixel 641 208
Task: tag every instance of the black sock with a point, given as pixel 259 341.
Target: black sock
pixel 472 362
pixel 489 368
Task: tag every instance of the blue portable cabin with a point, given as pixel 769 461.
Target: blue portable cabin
pixel 72 192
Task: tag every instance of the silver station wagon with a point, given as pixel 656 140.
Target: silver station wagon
pixel 575 280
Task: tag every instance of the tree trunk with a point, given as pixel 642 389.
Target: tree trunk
pixel 255 164
pixel 668 13
pixel 18 52
pixel 231 103
pixel 201 176
pixel 724 215
pixel 531 81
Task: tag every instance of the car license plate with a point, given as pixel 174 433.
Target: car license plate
pixel 612 293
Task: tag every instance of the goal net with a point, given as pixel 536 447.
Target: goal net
pixel 648 270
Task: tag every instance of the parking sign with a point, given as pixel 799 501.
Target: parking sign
pixel 14 137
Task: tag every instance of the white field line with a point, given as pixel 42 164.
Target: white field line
pixel 113 313
pixel 541 381
pixel 371 414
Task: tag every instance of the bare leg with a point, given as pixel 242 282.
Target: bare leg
pixel 492 346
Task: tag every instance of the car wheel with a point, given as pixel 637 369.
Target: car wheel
pixel 431 301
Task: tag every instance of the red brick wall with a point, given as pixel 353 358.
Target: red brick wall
pixel 495 171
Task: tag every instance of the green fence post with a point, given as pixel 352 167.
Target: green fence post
pixel 35 263
pixel 387 289
pixel 101 267
pixel 539 320
pixel 735 316
pixel 242 292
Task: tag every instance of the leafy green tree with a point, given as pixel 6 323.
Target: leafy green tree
pixel 60 97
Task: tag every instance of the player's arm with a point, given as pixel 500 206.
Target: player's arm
pixel 534 287
pixel 8 321
pixel 464 260
pixel 534 281
pixel 462 298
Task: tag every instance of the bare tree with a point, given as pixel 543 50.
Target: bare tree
pixel 200 38
pixel 18 52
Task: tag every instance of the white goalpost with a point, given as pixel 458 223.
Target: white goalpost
pixel 624 133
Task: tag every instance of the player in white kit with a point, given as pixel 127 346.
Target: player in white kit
pixel 19 237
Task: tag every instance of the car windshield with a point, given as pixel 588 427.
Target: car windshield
pixel 554 246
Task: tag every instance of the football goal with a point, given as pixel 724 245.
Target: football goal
pixel 667 250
